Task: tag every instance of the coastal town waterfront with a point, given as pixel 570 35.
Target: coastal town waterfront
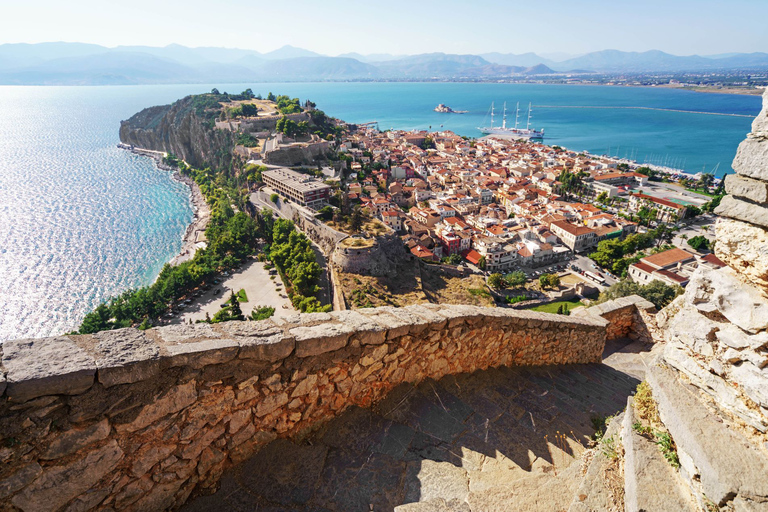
pixel 60 173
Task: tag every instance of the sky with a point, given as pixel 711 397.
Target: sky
pixel 332 27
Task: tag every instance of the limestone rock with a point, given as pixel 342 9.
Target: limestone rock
pixel 199 354
pixel 746 188
pixel 60 484
pixel 124 356
pixel 269 348
pixel 650 483
pixel 74 440
pixel 743 210
pixel 760 124
pixel 319 339
pixel 726 463
pixel 752 159
pixel 720 290
pixel 744 247
pixel 46 366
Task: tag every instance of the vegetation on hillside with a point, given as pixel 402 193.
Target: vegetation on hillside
pixel 656 291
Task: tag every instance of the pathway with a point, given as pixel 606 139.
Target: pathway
pixel 501 439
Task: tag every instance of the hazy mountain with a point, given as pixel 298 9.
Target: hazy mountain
pixel 316 68
pixel 23 55
pixel 512 59
pixel 76 63
pixel 289 52
pixel 104 68
pixel 616 61
pixel 372 58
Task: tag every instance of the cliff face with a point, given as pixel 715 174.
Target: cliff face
pixel 185 128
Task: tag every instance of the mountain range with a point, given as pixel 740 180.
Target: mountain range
pixel 86 64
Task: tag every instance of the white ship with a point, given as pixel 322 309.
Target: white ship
pixel 517 133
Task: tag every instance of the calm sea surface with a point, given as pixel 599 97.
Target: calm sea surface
pixel 81 221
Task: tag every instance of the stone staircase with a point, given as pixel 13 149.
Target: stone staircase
pixel 502 439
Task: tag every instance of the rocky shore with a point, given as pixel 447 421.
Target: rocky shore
pixel 202 212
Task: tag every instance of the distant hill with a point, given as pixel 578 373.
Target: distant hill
pixel 512 59
pixel 77 63
pixel 289 52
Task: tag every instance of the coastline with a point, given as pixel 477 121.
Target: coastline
pixel 195 231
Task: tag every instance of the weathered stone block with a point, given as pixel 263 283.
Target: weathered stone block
pixel 176 399
pixel 752 159
pixel 73 440
pixel 272 348
pixel 199 354
pixel 184 333
pixel 124 356
pixel 22 477
pixel 305 386
pixel 271 403
pixel 367 330
pixel 46 366
pixel 742 210
pixel 319 339
pixel 150 456
pixel 60 484
pixel 720 290
pixel 746 188
pixel 744 247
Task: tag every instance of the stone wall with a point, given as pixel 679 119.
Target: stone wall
pixel 718 329
pixel 138 420
pixel 630 317
pixel 323 235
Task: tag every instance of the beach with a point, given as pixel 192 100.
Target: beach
pixel 195 232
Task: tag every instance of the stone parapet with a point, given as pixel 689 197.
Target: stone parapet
pixel 630 317
pixel 137 420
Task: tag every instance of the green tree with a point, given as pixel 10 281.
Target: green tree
pixel 274 198
pixel 657 292
pixel 356 221
pixel 262 312
pixel 496 281
pixel 481 263
pixel 516 278
pixel 699 242
pixel 215 91
pixel 452 259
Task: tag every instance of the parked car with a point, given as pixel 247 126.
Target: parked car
pixel 218 291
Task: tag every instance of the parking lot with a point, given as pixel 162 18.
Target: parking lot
pixel 258 285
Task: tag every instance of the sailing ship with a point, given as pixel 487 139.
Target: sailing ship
pixel 517 133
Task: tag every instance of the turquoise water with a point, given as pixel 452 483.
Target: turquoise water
pixel 81 221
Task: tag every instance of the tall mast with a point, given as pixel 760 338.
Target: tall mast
pixel 517 114
pixel 528 126
pixel 491 114
pixel 504 123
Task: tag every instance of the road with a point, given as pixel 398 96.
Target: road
pixel 702 225
pixel 584 263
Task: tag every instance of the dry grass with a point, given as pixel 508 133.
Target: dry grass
pixel 645 405
pixel 405 287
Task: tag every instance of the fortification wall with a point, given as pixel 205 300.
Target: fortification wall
pixel 323 235
pixel 379 259
pixel 137 420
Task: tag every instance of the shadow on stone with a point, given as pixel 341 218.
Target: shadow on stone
pixel 451 439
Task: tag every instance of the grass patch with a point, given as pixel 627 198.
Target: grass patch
pixel 552 307
pixel 242 296
pixel 479 292
pixel 650 425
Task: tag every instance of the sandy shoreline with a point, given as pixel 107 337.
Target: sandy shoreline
pixel 202 212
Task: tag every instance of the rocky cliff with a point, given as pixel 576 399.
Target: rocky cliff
pixel 184 128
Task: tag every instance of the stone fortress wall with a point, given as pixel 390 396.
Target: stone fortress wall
pixel 379 258
pixel 138 420
pixel 711 379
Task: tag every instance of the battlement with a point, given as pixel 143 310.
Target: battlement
pixel 137 420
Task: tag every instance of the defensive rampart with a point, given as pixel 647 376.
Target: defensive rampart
pixel 137 420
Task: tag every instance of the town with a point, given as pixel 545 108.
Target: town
pixel 516 208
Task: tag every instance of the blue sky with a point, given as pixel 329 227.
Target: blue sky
pixel 682 27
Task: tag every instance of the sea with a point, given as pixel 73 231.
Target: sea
pixel 82 221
